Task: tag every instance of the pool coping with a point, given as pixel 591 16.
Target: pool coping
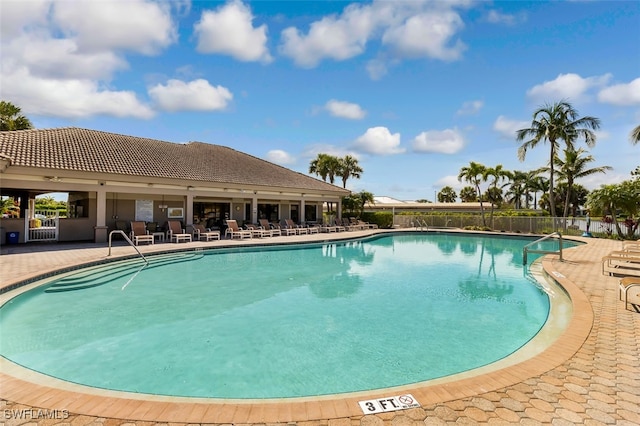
pixel 52 394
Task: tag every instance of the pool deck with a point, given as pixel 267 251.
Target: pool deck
pixel 589 376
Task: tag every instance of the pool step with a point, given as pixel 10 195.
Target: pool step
pixel 91 279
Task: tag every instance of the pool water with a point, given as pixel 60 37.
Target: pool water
pixel 281 321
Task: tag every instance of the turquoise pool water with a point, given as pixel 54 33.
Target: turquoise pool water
pixel 282 321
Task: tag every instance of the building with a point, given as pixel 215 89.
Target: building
pixel 112 179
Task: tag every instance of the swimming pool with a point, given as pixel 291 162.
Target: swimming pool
pixel 282 322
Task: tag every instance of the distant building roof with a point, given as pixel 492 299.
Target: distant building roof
pixel 92 151
pixel 382 199
pixel 426 207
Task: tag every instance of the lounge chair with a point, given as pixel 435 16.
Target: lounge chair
pixel 349 226
pixel 176 233
pixel 367 225
pixel 233 230
pixel 338 225
pixel 621 262
pixel 267 226
pixel 299 230
pixel 325 227
pixel 258 231
pixel 630 292
pixel 357 224
pixel 202 233
pixel 139 233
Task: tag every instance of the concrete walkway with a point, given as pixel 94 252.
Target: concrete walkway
pixel 596 381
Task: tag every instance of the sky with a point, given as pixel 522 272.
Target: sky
pixel 415 90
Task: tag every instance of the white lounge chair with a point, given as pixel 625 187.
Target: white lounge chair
pixel 233 230
pixel 139 233
pixel 202 233
pixel 272 229
pixel 629 288
pixel 176 233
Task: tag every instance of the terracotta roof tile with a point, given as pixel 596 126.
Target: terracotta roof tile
pixel 102 152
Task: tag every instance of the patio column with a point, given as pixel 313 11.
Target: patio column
pixel 100 233
pixel 339 211
pixel 254 210
pixel 188 219
pixel 302 212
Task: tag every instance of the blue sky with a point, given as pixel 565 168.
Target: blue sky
pixel 414 89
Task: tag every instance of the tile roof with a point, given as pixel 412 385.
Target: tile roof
pixel 84 150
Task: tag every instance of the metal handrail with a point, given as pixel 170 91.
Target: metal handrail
pixel 127 239
pixel 526 249
pixel 421 224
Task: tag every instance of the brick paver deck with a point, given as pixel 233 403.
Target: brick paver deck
pixel 591 376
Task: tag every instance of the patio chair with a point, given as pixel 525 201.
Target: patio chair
pixel 233 230
pixel 298 230
pixel 269 227
pixel 139 233
pixel 176 233
pixel 621 262
pixel 257 231
pixel 629 289
pixel 338 225
pixel 325 227
pixel 202 233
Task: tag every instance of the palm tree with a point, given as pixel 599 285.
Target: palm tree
pixel 11 119
pixel 554 123
pixel 447 195
pixel 518 189
pixel 493 192
pixel 474 174
pixel 468 194
pixel 574 167
pixel 635 135
pixel 320 166
pixel 349 167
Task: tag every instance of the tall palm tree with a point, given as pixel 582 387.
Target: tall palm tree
pixel 574 167
pixel 554 123
pixel 474 174
pixel 349 167
pixel 635 135
pixel 11 118
pixel 325 166
pixel 468 194
pixel 518 189
pixel 498 173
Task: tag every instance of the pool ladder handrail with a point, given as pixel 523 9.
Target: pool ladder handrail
pixel 420 224
pixel 127 239
pixel 526 249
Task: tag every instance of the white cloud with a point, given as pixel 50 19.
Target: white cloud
pixel 75 98
pixel 448 141
pixel 621 94
pixel 496 17
pixel 281 157
pixel 229 30
pixel 427 35
pixel 379 140
pixel 345 110
pixel 143 26
pixel 470 108
pixel 56 61
pixel 566 86
pixel 196 95
pixel 408 29
pixel 376 69
pixel 338 38
pixel 508 128
pixel 451 181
